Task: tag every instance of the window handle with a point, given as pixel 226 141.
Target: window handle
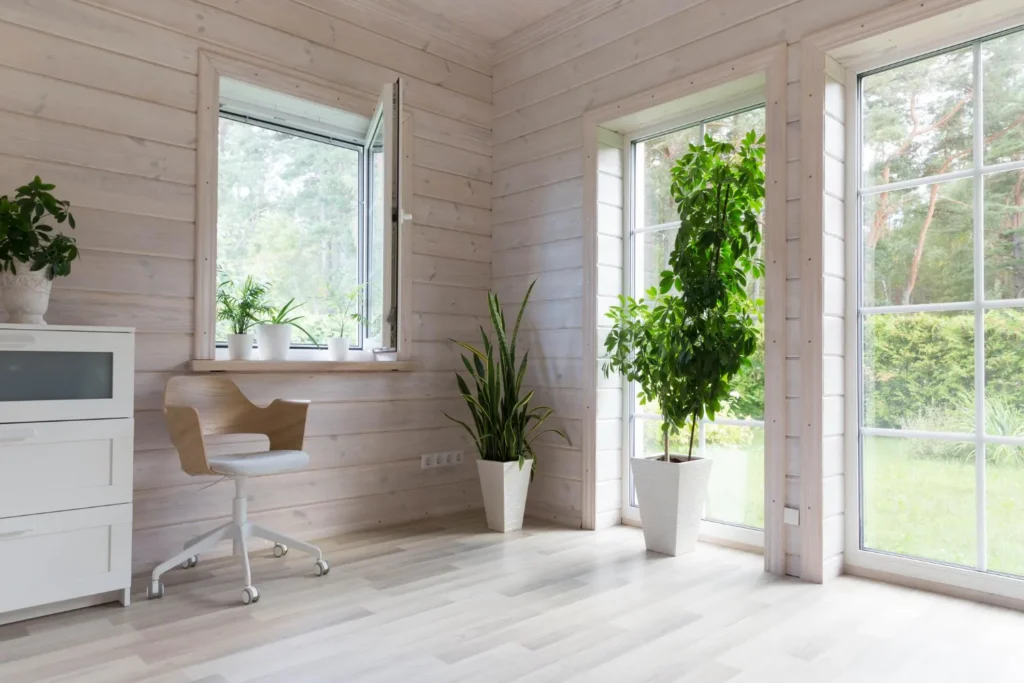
pixel 406 217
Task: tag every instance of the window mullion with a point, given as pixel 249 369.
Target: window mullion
pixel 979 311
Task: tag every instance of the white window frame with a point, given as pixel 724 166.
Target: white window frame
pixel 213 67
pixel 724 533
pixel 977 581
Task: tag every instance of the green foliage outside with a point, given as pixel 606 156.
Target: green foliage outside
pixel 26 235
pixel 504 424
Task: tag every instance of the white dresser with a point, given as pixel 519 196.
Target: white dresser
pixel 66 441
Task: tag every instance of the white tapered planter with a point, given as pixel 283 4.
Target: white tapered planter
pixel 671 497
pixel 274 341
pixel 240 346
pixel 504 487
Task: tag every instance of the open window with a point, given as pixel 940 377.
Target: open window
pixel 301 189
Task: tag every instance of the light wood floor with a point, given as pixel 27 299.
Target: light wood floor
pixel 448 601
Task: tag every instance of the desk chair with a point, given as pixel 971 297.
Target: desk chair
pixel 197 406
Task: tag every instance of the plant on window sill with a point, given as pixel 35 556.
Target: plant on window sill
pixel 274 333
pixel 338 346
pixel 241 309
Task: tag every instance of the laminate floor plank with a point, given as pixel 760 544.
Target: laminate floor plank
pixel 446 601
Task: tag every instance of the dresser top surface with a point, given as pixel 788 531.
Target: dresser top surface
pixel 65 328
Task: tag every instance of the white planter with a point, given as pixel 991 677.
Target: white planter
pixel 240 346
pixel 274 341
pixel 504 487
pixel 337 347
pixel 26 295
pixel 671 497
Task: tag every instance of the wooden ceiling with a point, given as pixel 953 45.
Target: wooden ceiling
pixel 491 20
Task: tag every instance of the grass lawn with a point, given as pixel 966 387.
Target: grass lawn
pixel 925 508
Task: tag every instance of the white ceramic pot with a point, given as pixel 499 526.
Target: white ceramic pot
pixel 338 347
pixel 274 341
pixel 240 346
pixel 504 487
pixel 671 497
pixel 26 295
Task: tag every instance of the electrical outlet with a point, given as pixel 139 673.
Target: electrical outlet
pixel 446 459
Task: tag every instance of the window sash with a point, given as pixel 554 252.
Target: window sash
pixel 363 244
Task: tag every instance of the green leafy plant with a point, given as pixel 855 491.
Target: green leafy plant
pixel 504 424
pixel 26 238
pixel 685 342
pixel 344 304
pixel 242 308
pixel 285 315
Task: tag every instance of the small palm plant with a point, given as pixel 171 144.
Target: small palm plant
pixel 242 308
pixel 504 424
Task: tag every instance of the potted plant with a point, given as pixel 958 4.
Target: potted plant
pixel 339 345
pixel 30 255
pixel 242 310
pixel 504 425
pixel 274 333
pixel 684 343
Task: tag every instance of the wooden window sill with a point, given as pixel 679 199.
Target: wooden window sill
pixel 305 366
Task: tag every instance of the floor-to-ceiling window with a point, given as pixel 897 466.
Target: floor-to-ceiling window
pixel 941 307
pixel 735 439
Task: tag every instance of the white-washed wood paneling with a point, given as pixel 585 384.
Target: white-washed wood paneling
pixel 99 97
pixel 542 93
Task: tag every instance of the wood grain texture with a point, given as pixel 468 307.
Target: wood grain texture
pixel 100 97
pixel 432 602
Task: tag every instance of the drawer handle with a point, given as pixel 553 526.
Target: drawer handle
pixel 15 437
pixel 19 532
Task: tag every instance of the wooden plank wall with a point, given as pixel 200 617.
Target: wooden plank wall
pixel 99 97
pixel 541 90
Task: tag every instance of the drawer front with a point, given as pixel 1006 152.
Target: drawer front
pixel 53 466
pixel 60 375
pixel 64 555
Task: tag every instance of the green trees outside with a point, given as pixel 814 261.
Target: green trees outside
pixel 288 216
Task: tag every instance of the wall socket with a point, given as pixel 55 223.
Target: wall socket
pixel 446 459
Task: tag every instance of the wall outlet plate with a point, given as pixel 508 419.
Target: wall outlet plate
pixel 447 459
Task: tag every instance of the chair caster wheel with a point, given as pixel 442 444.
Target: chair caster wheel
pixel 190 562
pixel 280 550
pixel 250 595
pixel 155 590
pixel 321 568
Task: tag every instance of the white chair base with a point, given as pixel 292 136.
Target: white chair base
pixel 239 530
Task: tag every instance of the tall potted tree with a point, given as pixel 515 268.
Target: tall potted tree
pixel 504 424
pixel 685 342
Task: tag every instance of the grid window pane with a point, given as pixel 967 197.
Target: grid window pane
pixel 735 127
pixel 1004 372
pixel 1004 235
pixel 917 245
pixel 917 119
pixel 657 156
pixel 918 498
pixel 1002 60
pixel 736 488
pixel 1004 507
pixel 288 215
pixel 918 371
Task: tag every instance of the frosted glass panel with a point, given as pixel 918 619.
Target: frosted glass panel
pixel 56 376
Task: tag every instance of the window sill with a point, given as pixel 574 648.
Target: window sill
pixel 306 366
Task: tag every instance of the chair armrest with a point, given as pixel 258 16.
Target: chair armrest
pixel 284 423
pixel 187 436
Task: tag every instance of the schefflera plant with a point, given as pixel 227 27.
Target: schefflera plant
pixel 688 338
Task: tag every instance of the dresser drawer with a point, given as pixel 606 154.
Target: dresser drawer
pixel 53 466
pixel 64 555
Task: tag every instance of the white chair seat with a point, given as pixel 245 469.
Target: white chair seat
pixel 258 464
